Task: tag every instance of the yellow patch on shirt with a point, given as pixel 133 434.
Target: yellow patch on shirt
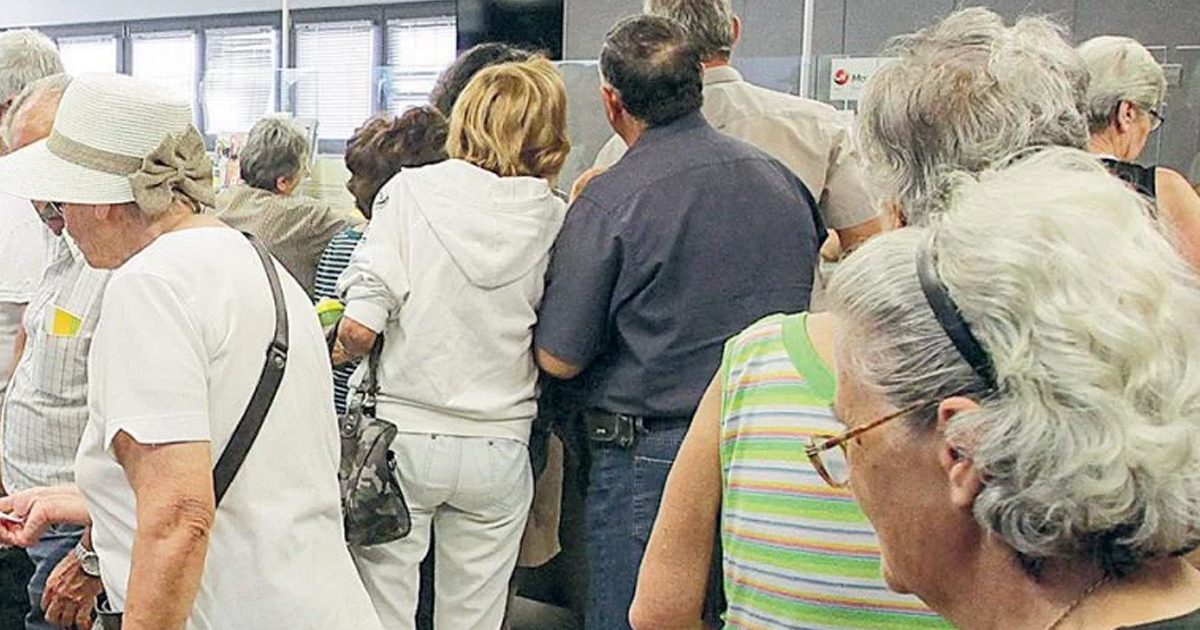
pixel 62 323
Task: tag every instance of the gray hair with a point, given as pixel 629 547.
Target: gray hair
pixel 25 56
pixel 708 23
pixel 1121 69
pixel 964 93
pixel 1088 442
pixel 276 147
pixel 53 86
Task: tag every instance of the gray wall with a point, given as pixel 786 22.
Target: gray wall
pixel 770 52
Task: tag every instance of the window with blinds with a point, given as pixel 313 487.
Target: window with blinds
pixel 168 59
pixel 239 81
pixel 83 55
pixel 418 50
pixel 335 76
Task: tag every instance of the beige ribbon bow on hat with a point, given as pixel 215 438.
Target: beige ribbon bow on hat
pixel 179 166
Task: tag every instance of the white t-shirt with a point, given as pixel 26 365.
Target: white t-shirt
pixel 23 244
pixel 181 341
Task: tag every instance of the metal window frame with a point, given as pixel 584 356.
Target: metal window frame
pixel 378 14
pixel 117 30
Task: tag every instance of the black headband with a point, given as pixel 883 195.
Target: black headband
pixel 950 317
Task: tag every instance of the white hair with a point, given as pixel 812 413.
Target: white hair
pixel 25 56
pixel 708 23
pixel 276 147
pixel 1120 69
pixel 1088 442
pixel 964 93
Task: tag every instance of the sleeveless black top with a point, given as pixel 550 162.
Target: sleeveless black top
pixel 1141 178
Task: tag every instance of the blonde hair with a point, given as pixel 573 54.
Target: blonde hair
pixel 512 120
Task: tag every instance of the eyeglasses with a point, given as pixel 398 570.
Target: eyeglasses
pixel 827 452
pixel 1159 119
pixel 48 211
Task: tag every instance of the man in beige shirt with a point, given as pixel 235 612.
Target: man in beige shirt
pixel 294 228
pixel 805 135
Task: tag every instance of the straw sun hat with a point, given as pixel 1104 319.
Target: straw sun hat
pixel 106 128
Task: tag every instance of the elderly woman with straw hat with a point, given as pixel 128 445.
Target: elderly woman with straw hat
pixel 179 366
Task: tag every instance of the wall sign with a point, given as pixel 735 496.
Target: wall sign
pixel 848 76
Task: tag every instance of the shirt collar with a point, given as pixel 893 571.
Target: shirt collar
pixel 71 247
pixel 683 123
pixel 721 74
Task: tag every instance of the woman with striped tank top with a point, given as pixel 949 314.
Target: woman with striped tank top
pixel 796 553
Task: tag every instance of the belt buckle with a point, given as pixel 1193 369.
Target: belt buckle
pixel 613 428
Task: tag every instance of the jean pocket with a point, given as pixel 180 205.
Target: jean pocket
pixel 649 479
pixel 510 476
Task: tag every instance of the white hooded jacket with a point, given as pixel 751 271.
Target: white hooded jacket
pixel 451 270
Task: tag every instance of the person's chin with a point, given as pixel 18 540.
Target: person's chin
pixel 892 580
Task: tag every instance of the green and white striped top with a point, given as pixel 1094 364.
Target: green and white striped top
pixel 797 553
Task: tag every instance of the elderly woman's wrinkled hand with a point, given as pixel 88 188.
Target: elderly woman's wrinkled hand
pixel 37 509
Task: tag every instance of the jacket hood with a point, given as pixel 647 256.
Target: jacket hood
pixel 496 229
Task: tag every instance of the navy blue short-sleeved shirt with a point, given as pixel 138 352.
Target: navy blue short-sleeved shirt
pixel 687 240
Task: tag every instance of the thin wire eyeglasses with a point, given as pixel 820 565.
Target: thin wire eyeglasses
pixel 48 211
pixel 827 452
pixel 1159 119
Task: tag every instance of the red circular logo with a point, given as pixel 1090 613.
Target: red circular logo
pixel 841 77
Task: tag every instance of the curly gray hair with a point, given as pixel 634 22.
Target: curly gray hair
pixel 276 147
pixel 708 23
pixel 963 94
pixel 1121 69
pixel 25 56
pixel 1088 442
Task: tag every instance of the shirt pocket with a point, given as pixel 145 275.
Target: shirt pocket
pixel 65 336
pixel 60 360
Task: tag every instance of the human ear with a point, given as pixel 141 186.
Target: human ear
pixel 963 476
pixel 1125 116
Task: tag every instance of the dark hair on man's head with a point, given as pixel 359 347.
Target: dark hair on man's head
pixel 385 144
pixel 650 61
pixel 467 65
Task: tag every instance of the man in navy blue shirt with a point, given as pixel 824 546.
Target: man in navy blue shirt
pixel 688 239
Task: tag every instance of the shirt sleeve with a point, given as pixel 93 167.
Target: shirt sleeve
pixel 327 222
pixel 24 263
pixel 375 284
pixel 610 153
pixel 147 367
pixel 573 322
pixel 845 201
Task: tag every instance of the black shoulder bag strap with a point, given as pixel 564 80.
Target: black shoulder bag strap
pixel 264 393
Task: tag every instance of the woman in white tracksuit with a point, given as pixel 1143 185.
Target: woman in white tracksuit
pixel 452 272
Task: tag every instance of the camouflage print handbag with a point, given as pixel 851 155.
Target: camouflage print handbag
pixel 373 506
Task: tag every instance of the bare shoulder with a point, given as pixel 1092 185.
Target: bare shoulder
pixel 1173 181
pixel 1176 197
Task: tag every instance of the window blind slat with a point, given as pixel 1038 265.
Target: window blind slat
pixel 418 51
pixel 85 55
pixel 239 81
pixel 168 59
pixel 335 76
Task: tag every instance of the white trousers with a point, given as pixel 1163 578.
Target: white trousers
pixel 475 493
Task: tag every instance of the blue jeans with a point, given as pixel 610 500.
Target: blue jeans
pixel 624 490
pixel 55 544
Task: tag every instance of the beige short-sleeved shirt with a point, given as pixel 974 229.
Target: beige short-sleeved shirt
pixel 803 134
pixel 294 229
